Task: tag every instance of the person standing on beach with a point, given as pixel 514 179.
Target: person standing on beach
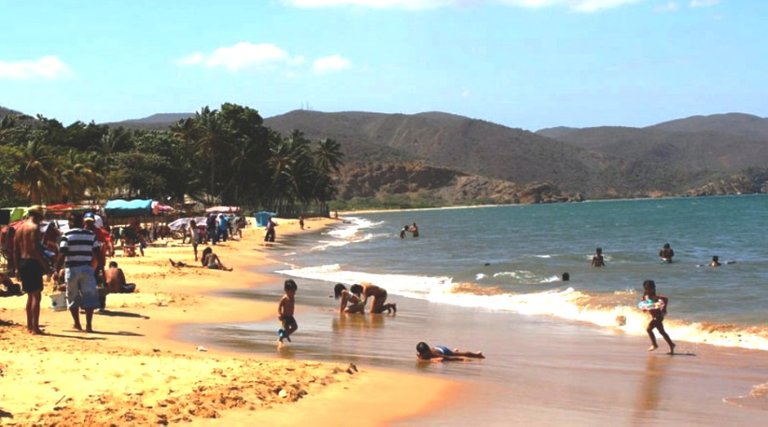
pixel 666 253
pixel 269 236
pixel 597 259
pixel 657 315
pixel 31 266
pixel 301 222
pixel 7 238
pixel 285 311
pixel 195 236
pixel 77 250
pixel 210 224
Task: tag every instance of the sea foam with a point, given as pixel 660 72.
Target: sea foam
pixel 614 310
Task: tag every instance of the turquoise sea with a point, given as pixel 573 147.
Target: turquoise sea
pixel 558 353
pixel 511 258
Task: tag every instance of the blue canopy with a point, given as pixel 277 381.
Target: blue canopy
pixel 262 217
pixel 122 208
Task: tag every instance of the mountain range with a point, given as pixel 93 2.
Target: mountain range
pixel 454 159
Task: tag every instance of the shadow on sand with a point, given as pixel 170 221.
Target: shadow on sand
pixel 112 313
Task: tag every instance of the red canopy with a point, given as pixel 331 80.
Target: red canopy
pixel 61 207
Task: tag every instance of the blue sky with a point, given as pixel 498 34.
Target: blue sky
pixel 521 63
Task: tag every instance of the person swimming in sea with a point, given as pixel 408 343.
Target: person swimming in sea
pixel 598 260
pixel 666 253
pixel 414 230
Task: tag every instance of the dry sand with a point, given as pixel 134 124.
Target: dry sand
pixel 133 370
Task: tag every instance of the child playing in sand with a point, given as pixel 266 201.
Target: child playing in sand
pixel 285 311
pixel 350 303
pixel 440 353
pixel 657 316
pixel 379 294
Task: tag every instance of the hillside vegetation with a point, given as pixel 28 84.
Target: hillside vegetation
pixel 440 158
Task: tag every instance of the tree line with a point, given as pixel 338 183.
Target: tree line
pixel 224 156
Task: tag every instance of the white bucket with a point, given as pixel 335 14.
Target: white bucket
pixel 58 301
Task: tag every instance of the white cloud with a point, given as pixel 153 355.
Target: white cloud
pixel 46 67
pixel 576 5
pixel 328 64
pixel 241 56
pixel 670 6
pixel 703 3
pixel 596 5
pixel 376 4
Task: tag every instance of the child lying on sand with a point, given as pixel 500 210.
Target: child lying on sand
pixel 440 353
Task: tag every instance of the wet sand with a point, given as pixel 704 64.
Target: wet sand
pixel 538 371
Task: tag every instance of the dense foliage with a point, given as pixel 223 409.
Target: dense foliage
pixel 224 156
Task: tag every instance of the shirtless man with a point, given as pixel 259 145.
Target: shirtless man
pixel 666 253
pixel 116 282
pixel 379 295
pixel 31 266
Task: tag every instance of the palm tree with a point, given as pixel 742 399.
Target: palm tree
pixel 245 155
pixel 36 180
pixel 77 175
pixel 328 155
pixel 204 134
pixel 210 135
pixel 115 140
pixel 291 169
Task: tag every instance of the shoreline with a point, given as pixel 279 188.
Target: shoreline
pixel 619 199
pixel 140 371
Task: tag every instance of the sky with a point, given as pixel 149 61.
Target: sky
pixel 527 64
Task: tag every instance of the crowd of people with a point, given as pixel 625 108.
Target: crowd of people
pixel 76 258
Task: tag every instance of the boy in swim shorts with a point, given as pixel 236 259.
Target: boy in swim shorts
pixel 285 311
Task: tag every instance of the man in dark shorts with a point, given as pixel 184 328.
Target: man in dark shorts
pixel 31 266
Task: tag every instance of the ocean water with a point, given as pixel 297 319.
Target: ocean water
pixel 511 258
pixel 558 353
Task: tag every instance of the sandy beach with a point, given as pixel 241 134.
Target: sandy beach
pixel 198 346
pixel 134 370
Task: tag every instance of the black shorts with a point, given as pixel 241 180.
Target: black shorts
pixel 288 321
pixel 31 274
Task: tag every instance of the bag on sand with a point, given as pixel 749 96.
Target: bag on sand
pixel 58 301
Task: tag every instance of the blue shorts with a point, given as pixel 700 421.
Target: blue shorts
pixel 81 287
pixel 444 350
